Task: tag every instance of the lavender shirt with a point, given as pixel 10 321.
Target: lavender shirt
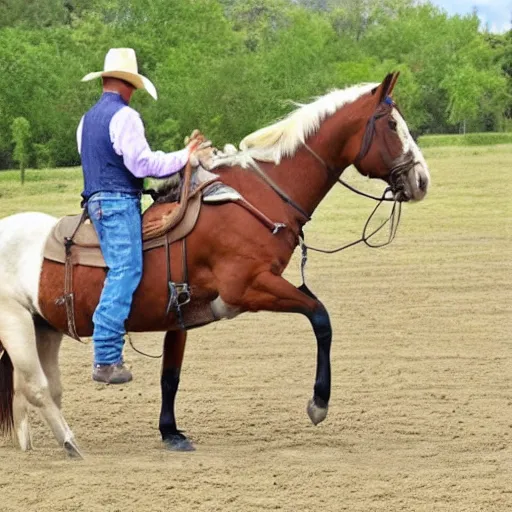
pixel 129 141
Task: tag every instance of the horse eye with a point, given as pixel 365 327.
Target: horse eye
pixel 392 124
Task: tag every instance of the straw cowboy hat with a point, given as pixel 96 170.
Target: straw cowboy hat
pixel 122 63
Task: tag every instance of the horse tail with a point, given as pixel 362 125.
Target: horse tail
pixel 6 393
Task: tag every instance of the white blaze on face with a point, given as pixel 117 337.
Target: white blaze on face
pixel 418 178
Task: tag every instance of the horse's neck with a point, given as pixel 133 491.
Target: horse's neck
pixel 303 179
pixel 306 178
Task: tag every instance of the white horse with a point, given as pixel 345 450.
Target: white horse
pixel 28 341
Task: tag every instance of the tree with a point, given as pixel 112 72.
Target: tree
pixel 21 139
pixel 455 69
pixel 230 66
pixel 33 13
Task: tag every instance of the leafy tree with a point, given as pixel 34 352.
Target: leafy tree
pixel 44 156
pixel 436 48
pixel 33 13
pixel 229 66
pixel 21 139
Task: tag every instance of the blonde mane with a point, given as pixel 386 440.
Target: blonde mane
pixel 280 140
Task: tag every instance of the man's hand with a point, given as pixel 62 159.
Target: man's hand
pixel 194 140
pixel 203 156
pixel 201 151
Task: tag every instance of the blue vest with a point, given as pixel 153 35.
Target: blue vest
pixel 104 169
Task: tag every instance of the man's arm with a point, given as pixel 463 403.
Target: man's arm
pixel 129 141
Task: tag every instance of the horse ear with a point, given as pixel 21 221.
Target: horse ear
pixel 393 82
pixel 383 88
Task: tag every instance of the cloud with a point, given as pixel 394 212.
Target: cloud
pixel 493 14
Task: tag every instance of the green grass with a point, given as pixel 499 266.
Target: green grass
pixel 469 139
pixel 52 191
pixel 463 178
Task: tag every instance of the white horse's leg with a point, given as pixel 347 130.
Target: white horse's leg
pixel 20 414
pixel 48 346
pixel 18 337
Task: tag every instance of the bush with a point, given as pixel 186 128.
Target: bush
pixel 44 156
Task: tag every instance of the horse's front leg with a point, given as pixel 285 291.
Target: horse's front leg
pixel 174 349
pixel 269 292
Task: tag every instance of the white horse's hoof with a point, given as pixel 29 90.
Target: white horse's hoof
pixel 316 413
pixel 72 449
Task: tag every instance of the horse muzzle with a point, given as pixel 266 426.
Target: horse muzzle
pixel 412 185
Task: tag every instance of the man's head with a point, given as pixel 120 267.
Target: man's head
pixel 121 65
pixel 122 87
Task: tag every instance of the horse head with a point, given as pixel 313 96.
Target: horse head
pixel 386 148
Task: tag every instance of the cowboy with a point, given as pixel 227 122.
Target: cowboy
pixel 115 159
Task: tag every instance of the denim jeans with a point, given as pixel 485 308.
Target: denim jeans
pixel 116 217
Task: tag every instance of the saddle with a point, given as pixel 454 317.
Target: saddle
pixel 74 236
pixel 85 244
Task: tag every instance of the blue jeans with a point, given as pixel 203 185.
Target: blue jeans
pixel 117 219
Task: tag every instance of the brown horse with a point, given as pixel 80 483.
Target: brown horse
pixel 234 262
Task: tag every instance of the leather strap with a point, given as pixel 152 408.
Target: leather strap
pixel 273 226
pixel 178 293
pixel 68 299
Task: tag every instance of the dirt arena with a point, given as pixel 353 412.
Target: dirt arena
pixel 420 416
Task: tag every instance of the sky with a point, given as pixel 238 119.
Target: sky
pixel 495 14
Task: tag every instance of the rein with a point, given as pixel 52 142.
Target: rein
pixel 393 219
pixel 333 171
pixel 283 195
pixel 135 349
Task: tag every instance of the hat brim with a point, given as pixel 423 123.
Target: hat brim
pixel 138 81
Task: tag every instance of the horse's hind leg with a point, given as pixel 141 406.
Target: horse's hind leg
pixel 18 337
pixel 48 344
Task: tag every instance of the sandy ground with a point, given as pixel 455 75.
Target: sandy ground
pixel 421 410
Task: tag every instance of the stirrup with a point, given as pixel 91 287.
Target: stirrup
pixel 179 295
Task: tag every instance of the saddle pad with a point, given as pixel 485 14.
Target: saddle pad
pixel 86 249
pixel 217 192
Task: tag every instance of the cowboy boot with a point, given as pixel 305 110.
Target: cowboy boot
pixel 116 373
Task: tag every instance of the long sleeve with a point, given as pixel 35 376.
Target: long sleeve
pixel 129 141
pixel 79 135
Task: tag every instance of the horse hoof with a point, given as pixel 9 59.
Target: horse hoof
pixel 178 443
pixel 72 449
pixel 317 410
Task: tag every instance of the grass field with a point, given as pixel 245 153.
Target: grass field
pixel 468 139
pixel 421 411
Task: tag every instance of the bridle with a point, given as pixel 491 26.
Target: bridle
pixel 399 167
